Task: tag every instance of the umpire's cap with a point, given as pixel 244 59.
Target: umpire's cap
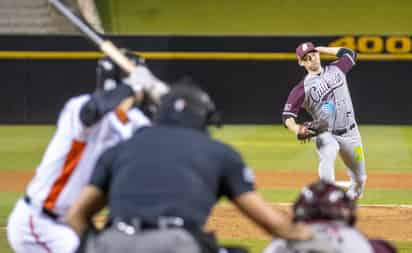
pixel 324 201
pixel 187 105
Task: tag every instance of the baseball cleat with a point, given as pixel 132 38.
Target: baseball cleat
pixel 343 184
pixel 355 190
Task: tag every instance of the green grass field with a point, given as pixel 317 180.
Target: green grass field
pixel 263 147
pixel 387 148
pixel 264 17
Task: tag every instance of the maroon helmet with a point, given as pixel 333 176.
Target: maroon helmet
pixel 324 201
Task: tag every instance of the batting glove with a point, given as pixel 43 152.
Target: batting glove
pixel 143 79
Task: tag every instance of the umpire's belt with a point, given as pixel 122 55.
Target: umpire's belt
pixel 130 226
pixel 343 131
pixel 43 210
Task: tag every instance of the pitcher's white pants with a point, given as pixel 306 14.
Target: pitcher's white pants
pixel 349 146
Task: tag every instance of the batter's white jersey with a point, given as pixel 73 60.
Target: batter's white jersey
pixel 73 151
pixel 65 168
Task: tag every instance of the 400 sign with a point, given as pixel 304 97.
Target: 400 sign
pixel 375 44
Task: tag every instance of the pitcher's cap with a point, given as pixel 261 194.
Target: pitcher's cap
pixel 304 48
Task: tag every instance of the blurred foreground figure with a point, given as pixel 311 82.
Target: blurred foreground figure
pixel 332 215
pixel 87 125
pixel 161 185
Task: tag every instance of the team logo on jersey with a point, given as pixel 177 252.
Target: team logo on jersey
pixel 325 85
pixel 317 92
pixel 328 107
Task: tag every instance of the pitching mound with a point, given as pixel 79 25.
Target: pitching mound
pixel 377 222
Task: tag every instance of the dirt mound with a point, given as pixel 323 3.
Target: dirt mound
pixel 376 222
pixel 379 221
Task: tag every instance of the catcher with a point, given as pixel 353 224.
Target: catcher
pixel 332 215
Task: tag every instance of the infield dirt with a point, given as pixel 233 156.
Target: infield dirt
pixel 389 222
pixel 15 181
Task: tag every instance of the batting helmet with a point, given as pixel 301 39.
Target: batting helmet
pixel 324 201
pixel 109 74
pixel 187 105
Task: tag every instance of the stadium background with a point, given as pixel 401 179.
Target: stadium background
pixel 267 148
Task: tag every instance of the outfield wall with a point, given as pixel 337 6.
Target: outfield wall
pixel 249 77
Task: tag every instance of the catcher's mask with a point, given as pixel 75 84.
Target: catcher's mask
pixel 109 74
pixel 324 201
pixel 187 105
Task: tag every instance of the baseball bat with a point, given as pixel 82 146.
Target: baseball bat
pixel 106 46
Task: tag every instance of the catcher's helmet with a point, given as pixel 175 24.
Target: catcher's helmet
pixel 109 74
pixel 187 105
pixel 324 201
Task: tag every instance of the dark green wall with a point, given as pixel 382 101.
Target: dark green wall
pixel 247 91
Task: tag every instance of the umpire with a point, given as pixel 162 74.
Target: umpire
pixel 161 185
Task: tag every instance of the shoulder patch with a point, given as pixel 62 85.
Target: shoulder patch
pixel 248 175
pixel 328 107
pixel 287 107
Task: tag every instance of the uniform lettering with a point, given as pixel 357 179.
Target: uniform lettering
pixel 316 93
pixel 325 86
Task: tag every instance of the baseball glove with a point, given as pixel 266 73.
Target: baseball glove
pixel 310 129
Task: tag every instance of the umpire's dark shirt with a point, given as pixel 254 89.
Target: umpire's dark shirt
pixel 170 171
